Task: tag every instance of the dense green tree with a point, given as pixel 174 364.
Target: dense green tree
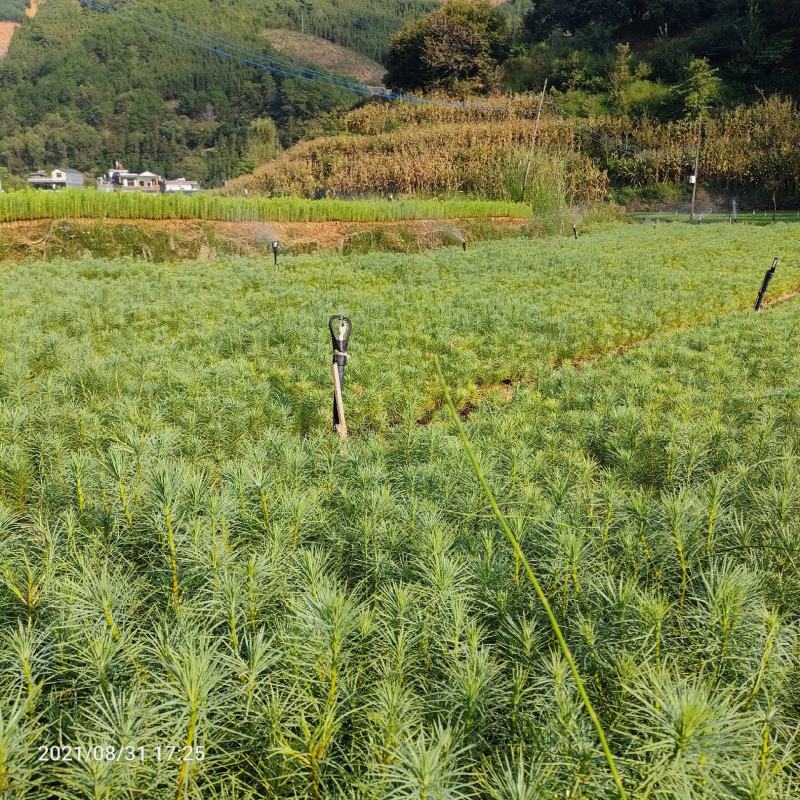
pixel 702 89
pixel 458 45
pixel 547 16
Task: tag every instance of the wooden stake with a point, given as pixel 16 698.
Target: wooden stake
pixel 337 394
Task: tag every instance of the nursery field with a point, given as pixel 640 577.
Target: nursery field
pixel 92 204
pixel 202 594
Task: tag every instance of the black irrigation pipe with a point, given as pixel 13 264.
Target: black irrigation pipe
pixel 765 284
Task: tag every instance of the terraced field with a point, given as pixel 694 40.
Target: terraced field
pixel 210 597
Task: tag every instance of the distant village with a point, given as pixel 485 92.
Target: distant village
pixel 117 179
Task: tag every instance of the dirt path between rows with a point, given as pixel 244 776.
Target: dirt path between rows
pixel 781 298
pixel 629 345
pixel 32 9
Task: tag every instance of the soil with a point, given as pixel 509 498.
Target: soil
pixel 7 30
pixel 178 239
pixel 781 298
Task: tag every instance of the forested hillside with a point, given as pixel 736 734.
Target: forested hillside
pixel 755 44
pixel 85 89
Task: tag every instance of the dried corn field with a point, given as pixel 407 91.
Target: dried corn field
pixel 407 148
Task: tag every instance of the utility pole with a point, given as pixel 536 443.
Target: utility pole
pixel 696 165
pixel 533 143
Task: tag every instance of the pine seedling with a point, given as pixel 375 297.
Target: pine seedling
pixel 537 588
pixel 426 768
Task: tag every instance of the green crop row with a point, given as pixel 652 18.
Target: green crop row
pixel 91 204
pixel 189 559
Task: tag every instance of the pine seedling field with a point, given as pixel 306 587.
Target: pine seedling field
pixel 202 594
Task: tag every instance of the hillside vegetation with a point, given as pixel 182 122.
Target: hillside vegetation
pixel 750 152
pixel 12 10
pixel 202 594
pixel 85 89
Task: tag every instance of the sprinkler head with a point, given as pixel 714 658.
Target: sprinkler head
pixel 275 245
pixel 464 245
pixel 340 328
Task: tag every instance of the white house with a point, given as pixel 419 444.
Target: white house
pixel 179 185
pixel 120 180
pixel 58 179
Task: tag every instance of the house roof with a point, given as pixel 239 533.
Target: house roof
pixel 147 175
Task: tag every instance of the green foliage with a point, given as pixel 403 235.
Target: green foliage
pixel 621 76
pixel 12 10
pixel 754 44
pixel 646 98
pixel 458 46
pixel 702 89
pixel 263 142
pixel 189 556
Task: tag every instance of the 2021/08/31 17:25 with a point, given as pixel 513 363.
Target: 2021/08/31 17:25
pixel 98 752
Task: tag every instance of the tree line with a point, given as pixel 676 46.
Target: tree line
pixel 605 56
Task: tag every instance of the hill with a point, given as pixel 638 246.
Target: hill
pixel 87 88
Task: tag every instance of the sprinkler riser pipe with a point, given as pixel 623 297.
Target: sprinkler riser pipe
pixel 340 328
pixel 340 369
pixel 765 285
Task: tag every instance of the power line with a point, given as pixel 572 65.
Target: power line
pixel 164 26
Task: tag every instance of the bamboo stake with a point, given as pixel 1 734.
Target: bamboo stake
pixel 341 428
pixel 533 143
